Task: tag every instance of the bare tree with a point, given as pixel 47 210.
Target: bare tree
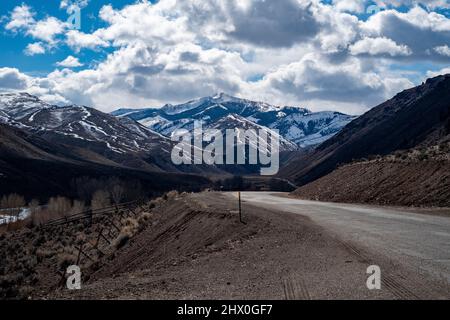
pixel 77 207
pixel 86 187
pixel 59 206
pixel 34 208
pixel 33 204
pixel 14 202
pixel 117 193
pixel 133 190
pixel 100 199
pixel 116 190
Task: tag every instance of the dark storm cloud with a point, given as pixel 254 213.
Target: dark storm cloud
pixel 275 23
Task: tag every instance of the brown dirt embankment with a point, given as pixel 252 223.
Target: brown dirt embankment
pixel 404 183
pixel 196 248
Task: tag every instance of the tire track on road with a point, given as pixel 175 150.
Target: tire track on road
pixel 390 281
pixel 294 288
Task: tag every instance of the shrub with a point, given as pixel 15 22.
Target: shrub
pixel 121 240
pixel 130 228
pixel 423 156
pixel 65 260
pixel 172 194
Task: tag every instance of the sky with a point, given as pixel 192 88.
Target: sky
pixel 343 55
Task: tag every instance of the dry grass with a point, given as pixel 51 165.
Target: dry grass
pixel 439 152
pixel 33 258
pixel 58 207
pixel 12 201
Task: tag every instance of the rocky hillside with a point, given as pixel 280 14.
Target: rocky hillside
pixel 413 118
pixel 93 135
pixel 385 181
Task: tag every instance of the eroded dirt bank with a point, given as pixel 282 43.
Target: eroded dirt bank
pixel 421 183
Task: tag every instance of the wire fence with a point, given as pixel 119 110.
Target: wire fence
pixel 10 216
pixel 90 214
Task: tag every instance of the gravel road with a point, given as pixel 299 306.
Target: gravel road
pixel 415 240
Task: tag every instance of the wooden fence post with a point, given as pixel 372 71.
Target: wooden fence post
pixel 240 208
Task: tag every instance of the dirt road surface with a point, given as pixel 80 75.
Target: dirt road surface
pixel 414 238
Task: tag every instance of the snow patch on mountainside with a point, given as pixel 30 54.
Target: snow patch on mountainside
pixel 120 135
pixel 311 129
pixel 295 124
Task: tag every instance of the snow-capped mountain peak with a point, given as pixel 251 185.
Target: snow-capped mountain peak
pixel 222 96
pixel 298 125
pixel 78 123
pixel 21 105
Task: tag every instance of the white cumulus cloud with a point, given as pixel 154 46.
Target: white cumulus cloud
pixel 443 50
pixel 46 29
pixel 13 79
pixel 301 52
pixel 22 17
pixel 70 62
pixel 379 46
pixel 34 49
pixel 78 40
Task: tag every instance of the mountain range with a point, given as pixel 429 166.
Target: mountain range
pixel 298 127
pixel 140 139
pixel 38 138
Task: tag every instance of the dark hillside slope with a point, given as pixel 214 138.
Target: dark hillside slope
pixel 35 168
pixel 416 117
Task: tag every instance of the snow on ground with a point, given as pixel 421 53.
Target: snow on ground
pixel 5 219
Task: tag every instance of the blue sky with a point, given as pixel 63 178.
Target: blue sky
pixel 13 44
pixel 344 55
